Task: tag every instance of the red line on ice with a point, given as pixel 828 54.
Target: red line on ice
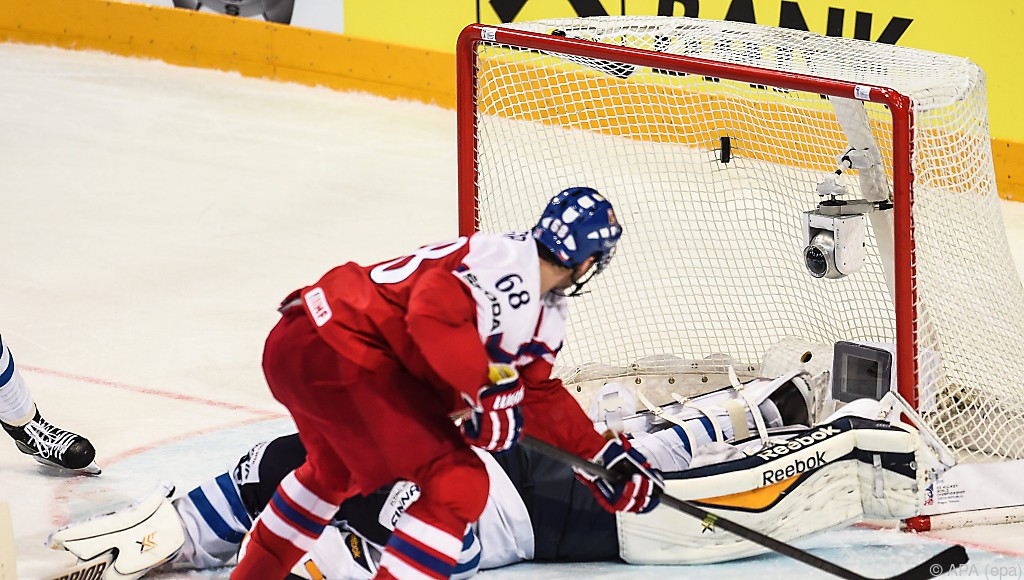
pixel 59 516
pixel 154 392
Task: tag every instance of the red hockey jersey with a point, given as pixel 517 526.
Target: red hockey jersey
pixel 445 312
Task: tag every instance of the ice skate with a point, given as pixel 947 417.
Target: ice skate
pixel 51 445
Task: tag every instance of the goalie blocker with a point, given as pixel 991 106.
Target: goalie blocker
pixel 125 544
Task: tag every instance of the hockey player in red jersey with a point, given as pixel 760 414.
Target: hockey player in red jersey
pixel 371 360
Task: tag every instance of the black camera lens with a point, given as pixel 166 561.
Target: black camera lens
pixel 815 261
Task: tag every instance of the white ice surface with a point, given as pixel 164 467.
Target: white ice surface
pixel 151 218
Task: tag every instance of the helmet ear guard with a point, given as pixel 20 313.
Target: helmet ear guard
pixel 577 224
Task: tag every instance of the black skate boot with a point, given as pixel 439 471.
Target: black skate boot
pixel 51 445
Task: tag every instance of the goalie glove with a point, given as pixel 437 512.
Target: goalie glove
pixel 638 486
pixel 139 538
pixel 496 421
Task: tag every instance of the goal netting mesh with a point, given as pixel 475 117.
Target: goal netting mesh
pixel 710 264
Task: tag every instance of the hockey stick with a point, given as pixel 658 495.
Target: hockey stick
pixel 938 564
pixel 85 570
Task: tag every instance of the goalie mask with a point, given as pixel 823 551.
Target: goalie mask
pixel 577 224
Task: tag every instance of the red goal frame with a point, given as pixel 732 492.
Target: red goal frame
pixel 899 105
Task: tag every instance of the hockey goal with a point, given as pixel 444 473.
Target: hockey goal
pixel 711 139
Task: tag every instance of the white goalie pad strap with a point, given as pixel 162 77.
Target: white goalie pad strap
pixel 660 412
pixel 830 476
pixel 696 422
pixel 738 417
pixel 752 393
pixel 710 413
pixel 726 414
pixel 146 534
pixel 611 404
pixel 753 405
pixel 687 412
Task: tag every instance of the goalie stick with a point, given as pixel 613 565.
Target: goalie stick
pixel 938 564
pixel 89 570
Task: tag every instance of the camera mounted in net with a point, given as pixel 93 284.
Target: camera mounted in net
pixel 835 232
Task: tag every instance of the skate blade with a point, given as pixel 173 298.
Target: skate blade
pixel 91 469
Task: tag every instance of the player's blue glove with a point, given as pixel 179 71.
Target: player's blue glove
pixel 638 485
pixel 496 421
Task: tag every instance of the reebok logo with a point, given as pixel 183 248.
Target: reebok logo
pixel 798 466
pixel 798 443
pixel 359 555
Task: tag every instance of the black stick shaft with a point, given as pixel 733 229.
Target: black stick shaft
pixel 939 564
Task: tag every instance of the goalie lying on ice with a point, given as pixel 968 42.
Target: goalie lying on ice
pixel 778 481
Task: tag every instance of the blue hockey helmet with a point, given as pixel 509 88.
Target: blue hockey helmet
pixel 579 223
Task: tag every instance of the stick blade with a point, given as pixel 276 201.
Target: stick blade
pixel 946 560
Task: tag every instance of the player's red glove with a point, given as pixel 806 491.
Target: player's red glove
pixel 496 421
pixel 638 485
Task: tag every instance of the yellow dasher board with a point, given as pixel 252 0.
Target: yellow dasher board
pixel 985 32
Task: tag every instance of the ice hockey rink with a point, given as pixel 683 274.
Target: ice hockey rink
pixel 151 219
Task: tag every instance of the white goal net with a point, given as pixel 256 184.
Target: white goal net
pixel 711 161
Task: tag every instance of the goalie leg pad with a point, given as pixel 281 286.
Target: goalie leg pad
pixel 827 477
pixel 145 535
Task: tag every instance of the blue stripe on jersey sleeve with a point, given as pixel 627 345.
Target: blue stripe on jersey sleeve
pixel 706 423
pixel 469 545
pixel 5 376
pixel 227 487
pixel 212 518
pixel 466 569
pixel 682 438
